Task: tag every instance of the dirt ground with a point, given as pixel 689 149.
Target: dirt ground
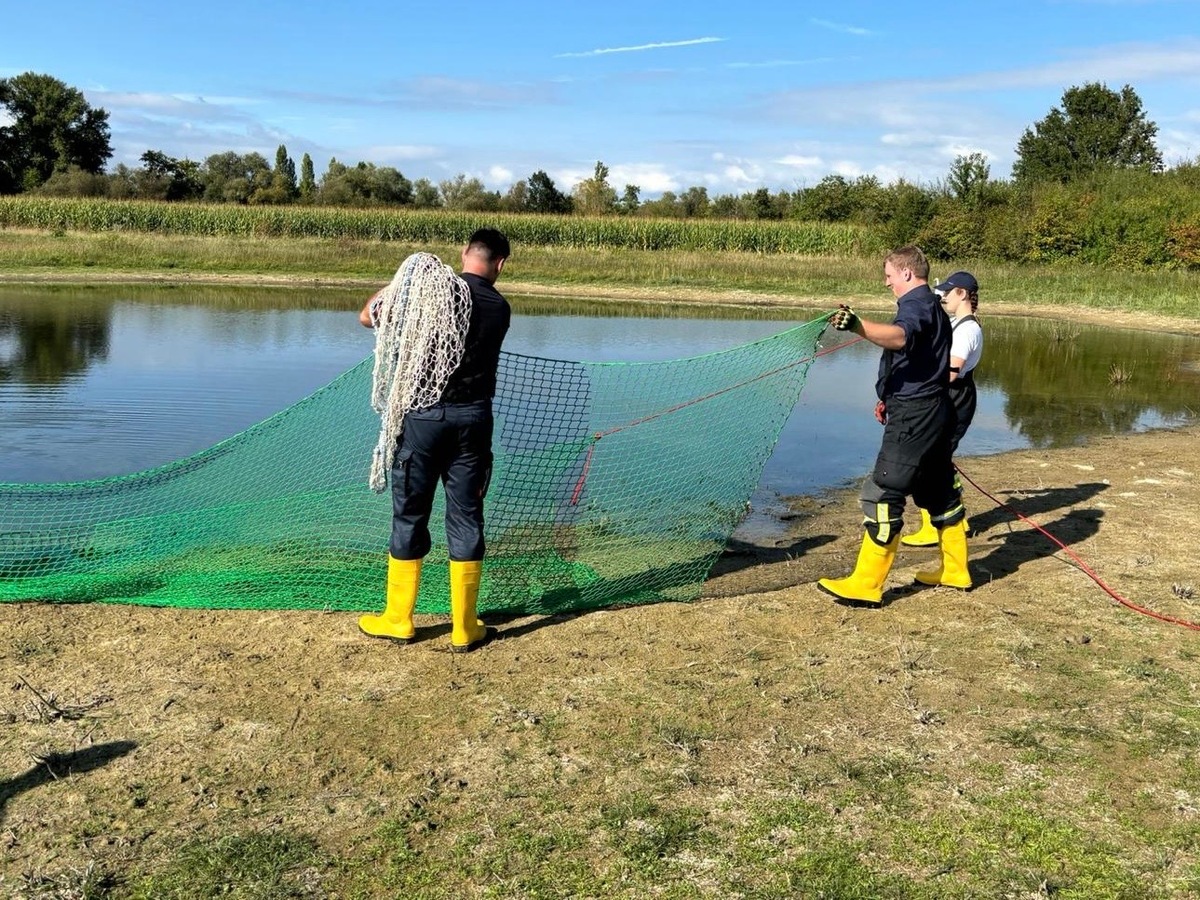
pixel 125 732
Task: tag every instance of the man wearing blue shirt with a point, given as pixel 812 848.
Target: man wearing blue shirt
pixel 918 421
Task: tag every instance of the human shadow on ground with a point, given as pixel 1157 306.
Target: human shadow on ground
pixel 663 584
pixel 1019 547
pixel 1030 503
pixel 1012 549
pixel 56 766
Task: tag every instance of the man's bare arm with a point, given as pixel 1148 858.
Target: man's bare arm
pixel 365 317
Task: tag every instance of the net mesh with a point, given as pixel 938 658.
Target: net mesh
pixel 421 322
pixel 613 483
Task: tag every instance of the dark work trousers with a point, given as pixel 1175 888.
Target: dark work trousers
pixel 450 443
pixel 913 460
pixel 965 399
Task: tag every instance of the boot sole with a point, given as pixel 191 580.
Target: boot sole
pixel 487 638
pixel 849 601
pixel 388 637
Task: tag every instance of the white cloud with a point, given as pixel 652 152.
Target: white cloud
pixel 455 92
pixel 902 126
pixel 652 178
pixel 1179 145
pixel 637 48
pixel 777 63
pixel 842 28
pixel 500 175
pixel 435 92
pixel 796 161
pixel 953 149
pixel 1114 64
pixel 190 126
pixel 738 176
pixel 847 168
pixel 907 139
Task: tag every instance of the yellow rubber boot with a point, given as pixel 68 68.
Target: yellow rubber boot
pixel 953 569
pixel 925 536
pixel 396 622
pixel 864 586
pixel 466 631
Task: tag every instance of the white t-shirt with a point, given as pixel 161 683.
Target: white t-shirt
pixel 966 343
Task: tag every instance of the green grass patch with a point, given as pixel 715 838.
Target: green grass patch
pixel 252 866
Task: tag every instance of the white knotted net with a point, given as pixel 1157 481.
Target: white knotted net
pixel 421 321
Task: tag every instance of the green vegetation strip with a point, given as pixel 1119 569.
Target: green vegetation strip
pixel 676 276
pixel 430 227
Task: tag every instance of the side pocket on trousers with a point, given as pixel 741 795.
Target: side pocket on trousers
pixel 487 477
pixel 892 472
pixel 402 463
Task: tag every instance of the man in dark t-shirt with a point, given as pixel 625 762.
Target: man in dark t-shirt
pixel 450 442
pixel 915 409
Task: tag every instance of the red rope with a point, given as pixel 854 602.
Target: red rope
pixel 587 465
pixel 1084 567
pixel 732 387
pixel 1087 570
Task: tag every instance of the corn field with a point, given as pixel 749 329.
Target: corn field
pixel 434 226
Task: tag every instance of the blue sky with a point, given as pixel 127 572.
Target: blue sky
pixel 731 96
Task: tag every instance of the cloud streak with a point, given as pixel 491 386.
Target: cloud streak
pixel 780 63
pixel 842 28
pixel 638 48
pixel 432 92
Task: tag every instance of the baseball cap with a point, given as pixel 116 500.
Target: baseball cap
pixel 958 280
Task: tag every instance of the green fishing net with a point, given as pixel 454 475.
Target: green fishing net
pixel 613 483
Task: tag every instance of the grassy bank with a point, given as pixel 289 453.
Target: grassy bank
pixel 1028 739
pixel 685 275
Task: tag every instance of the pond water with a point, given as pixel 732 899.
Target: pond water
pixel 97 382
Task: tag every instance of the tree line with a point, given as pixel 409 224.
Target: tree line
pixel 1088 182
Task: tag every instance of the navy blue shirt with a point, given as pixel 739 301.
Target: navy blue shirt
pixel 922 368
pixel 475 378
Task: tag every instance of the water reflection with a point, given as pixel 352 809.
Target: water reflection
pixel 1064 383
pixel 46 344
pixel 103 381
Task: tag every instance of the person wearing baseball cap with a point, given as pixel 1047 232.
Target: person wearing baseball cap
pixel 960 298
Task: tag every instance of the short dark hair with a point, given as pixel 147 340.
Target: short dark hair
pixel 492 242
pixel 911 258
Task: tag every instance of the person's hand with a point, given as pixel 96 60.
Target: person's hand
pixel 881 413
pixel 843 319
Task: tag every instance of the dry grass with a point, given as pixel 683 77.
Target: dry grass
pixel 1029 738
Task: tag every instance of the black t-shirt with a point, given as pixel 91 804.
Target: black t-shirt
pixel 922 367
pixel 475 378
